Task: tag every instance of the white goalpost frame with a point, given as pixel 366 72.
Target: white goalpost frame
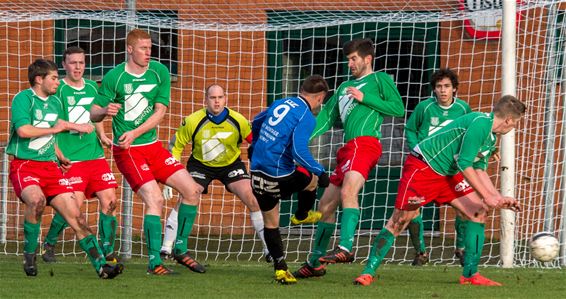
pixel 507 171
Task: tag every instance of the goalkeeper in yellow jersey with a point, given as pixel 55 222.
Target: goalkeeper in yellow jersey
pixel 215 133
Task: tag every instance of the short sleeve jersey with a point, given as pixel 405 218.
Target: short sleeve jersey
pixel 429 117
pixel 465 142
pixel 214 145
pixel 30 109
pixel 76 109
pixel 381 97
pixel 137 94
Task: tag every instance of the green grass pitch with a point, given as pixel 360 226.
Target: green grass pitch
pixel 75 278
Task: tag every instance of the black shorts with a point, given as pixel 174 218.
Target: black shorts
pixel 269 190
pixel 203 174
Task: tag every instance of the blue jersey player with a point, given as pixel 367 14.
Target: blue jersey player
pixel 281 138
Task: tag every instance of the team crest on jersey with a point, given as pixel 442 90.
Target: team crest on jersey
pixel 38 114
pixel 434 121
pixel 128 88
pixel 71 100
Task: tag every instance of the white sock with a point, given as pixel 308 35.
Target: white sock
pixel 170 232
pixel 257 222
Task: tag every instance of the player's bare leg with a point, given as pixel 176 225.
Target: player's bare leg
pixel 243 190
pixel 383 242
pixel 35 202
pixel 66 205
pixel 107 222
pixel 351 186
pixel 416 235
pixel 190 192
pixel 474 210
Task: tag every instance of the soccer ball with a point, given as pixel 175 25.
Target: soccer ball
pixel 544 246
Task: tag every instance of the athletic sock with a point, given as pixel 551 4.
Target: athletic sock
pixel 416 233
pixel 152 232
pixel 275 246
pixel 186 218
pixel 170 231
pixel 31 235
pixel 379 250
pixel 257 222
pixel 475 236
pixel 324 232
pixel 89 244
pixel 305 200
pixel 107 226
pixel 350 218
pixel 460 229
pixel 58 224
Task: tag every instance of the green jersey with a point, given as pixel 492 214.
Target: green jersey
pixel 214 144
pixel 465 142
pixel 30 109
pixel 76 106
pixel 381 97
pixel 430 117
pixel 137 94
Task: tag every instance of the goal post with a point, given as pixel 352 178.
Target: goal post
pixel 261 50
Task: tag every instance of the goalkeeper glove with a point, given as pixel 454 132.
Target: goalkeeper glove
pixel 167 192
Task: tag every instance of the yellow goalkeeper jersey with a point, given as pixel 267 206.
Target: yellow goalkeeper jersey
pixel 215 142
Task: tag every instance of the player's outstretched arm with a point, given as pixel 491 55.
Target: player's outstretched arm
pixel 97 113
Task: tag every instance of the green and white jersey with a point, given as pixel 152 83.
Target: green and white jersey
pixel 213 144
pixel 381 97
pixel 137 94
pixel 76 109
pixel 30 109
pixel 465 142
pixel 430 117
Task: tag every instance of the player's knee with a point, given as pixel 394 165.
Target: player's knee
pixel 37 205
pixel 81 221
pixel 109 207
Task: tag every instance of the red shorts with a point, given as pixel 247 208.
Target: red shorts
pixel 91 176
pixel 420 185
pixel 45 174
pixel 359 154
pixel 144 163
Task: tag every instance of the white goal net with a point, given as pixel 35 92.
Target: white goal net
pixel 261 50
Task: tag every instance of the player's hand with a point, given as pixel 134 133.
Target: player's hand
pixel 126 140
pixel 83 128
pixel 107 142
pixel 167 192
pixel 510 203
pixel 323 180
pixel 495 156
pixel 61 126
pixel 355 94
pixel 64 163
pixel 493 201
pixel 112 109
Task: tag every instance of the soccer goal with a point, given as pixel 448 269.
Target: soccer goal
pixel 261 50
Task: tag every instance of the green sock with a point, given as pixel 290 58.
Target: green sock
pixel 460 229
pixel 475 236
pixel 107 226
pixel 152 232
pixel 58 224
pixel 379 250
pixel 31 234
pixel 416 233
pixel 89 244
pixel 187 215
pixel 324 231
pixel 350 218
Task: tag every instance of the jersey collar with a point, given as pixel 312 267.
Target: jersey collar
pixel 217 119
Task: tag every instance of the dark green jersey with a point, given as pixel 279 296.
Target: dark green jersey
pixel 381 97
pixel 76 106
pixel 465 142
pixel 137 94
pixel 430 117
pixel 30 109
